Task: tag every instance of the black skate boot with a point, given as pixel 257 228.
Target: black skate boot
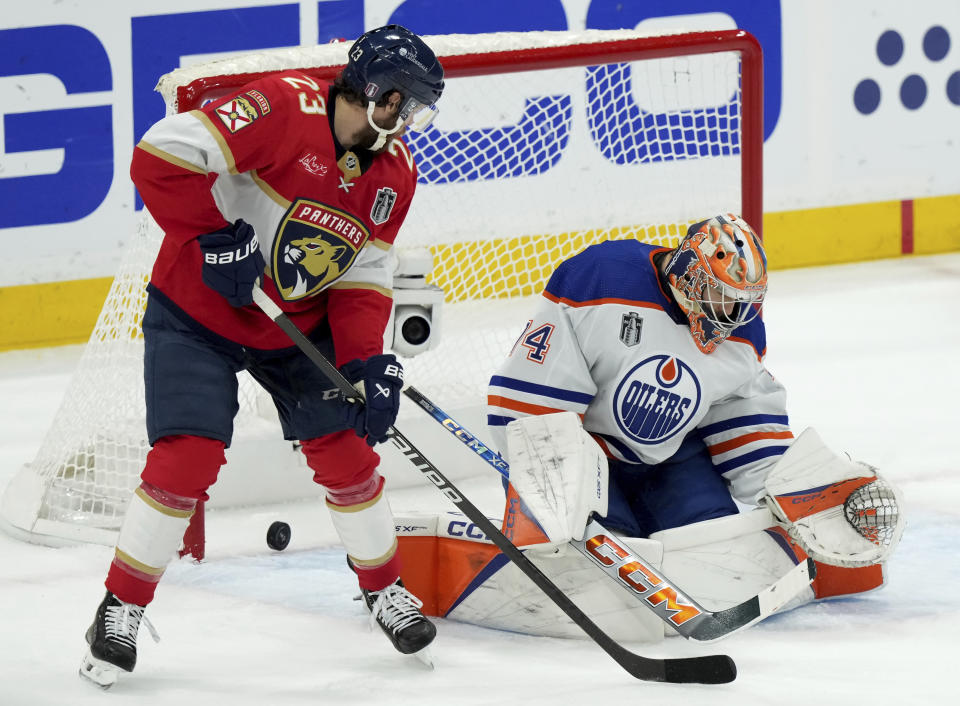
pixel 113 641
pixel 397 612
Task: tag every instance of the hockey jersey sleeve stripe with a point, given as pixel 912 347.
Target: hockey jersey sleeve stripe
pixel 221 143
pixel 747 420
pixel 526 407
pixel 617 449
pixel 597 302
pixel 748 458
pixel 167 157
pixel 363 285
pixel 496 420
pixel 730 444
pixel 542 390
pixel 269 190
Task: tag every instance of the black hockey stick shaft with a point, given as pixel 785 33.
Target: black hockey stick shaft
pixel 710 669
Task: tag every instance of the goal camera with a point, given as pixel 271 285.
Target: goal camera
pixel 415 321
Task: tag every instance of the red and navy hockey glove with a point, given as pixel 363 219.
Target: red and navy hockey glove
pixel 232 262
pixel 382 377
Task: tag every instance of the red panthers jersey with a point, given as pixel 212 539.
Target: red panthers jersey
pixel 325 217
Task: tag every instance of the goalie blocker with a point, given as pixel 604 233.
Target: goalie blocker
pixel 838 512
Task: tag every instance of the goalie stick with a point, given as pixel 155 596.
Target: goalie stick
pixel 708 669
pixel 629 571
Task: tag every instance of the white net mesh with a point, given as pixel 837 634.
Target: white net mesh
pixel 519 171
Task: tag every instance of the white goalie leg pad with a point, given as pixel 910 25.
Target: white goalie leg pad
pixel 841 512
pixel 366 530
pixel 559 471
pixel 152 532
pixel 725 561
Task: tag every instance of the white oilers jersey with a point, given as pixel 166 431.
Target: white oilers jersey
pixel 608 343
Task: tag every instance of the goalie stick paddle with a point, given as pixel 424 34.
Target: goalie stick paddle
pixel 709 669
pixel 639 578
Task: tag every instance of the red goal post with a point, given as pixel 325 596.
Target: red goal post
pixel 546 142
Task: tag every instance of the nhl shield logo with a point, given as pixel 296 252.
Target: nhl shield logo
pixel 630 328
pixel 383 205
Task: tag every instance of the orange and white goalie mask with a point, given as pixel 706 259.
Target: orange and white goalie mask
pixel 718 276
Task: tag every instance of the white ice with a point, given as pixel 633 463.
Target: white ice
pixel 870 355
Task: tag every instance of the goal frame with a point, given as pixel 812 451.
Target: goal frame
pixel 463 56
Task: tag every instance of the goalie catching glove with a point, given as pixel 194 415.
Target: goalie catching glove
pixel 841 512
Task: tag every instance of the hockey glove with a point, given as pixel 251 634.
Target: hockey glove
pixel 382 378
pixel 232 262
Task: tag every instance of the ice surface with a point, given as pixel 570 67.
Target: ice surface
pixel 870 355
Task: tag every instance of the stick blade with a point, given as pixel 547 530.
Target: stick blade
pixel 711 669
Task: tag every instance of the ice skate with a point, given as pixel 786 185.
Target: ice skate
pixel 397 612
pixel 112 638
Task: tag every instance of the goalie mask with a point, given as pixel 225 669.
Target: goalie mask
pixel 392 58
pixel 718 276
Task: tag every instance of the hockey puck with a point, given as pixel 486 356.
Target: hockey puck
pixel 278 536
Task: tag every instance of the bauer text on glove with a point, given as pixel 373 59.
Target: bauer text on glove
pixel 232 262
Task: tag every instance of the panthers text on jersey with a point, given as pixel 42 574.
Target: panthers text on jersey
pixel 325 217
pixel 607 342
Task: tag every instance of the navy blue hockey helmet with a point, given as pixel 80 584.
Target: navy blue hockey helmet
pixel 392 58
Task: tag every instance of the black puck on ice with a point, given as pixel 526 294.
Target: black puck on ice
pixel 278 536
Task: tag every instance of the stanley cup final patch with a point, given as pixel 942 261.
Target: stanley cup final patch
pixel 630 328
pixel 383 205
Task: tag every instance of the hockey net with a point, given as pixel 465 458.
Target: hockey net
pixel 546 142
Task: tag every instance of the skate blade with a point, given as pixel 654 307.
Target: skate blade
pixel 101 674
pixel 425 657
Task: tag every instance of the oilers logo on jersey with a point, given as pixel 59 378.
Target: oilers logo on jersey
pixel 315 244
pixel 656 399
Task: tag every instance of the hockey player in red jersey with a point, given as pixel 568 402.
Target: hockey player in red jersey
pixel 303 187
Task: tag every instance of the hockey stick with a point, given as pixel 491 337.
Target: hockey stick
pixel 710 669
pixel 639 578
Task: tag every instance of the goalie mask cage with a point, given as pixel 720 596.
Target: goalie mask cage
pixel 546 142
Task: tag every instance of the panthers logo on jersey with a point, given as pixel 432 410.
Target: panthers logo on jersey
pixel 315 245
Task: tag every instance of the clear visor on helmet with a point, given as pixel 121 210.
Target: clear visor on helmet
pixel 728 307
pixel 416 115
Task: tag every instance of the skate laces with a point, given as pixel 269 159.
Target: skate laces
pixel 395 608
pixel 122 622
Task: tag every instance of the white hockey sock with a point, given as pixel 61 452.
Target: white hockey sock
pixel 366 528
pixel 152 531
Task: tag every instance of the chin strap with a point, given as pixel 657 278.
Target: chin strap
pixel 383 134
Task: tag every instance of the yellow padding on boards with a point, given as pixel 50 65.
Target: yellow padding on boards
pixel 829 236
pixel 936 225
pixel 51 314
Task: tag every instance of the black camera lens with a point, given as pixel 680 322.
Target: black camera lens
pixel 415 330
